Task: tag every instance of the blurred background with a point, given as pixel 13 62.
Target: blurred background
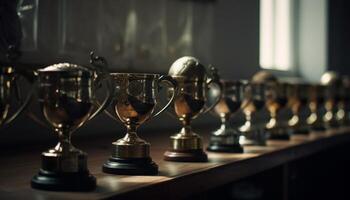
pixel 292 38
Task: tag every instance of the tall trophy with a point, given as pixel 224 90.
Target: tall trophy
pixel 297 100
pixel 226 138
pixel 252 132
pixel 10 94
pixel 193 84
pixel 332 83
pixel 67 97
pixel 343 107
pixel 315 103
pixel 134 103
pixel 276 100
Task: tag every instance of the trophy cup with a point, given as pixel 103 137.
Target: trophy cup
pixel 226 138
pixel 297 100
pixel 134 103
pixel 276 99
pixel 254 101
pixel 316 102
pixel 343 108
pixel 332 84
pixel 67 97
pixel 189 103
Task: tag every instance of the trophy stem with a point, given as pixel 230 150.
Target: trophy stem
pixel 64 141
pixel 186 129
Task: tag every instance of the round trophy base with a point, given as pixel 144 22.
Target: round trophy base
pixel 299 131
pixel 67 181
pixel 130 166
pixel 191 155
pixel 234 148
pixel 284 136
pixel 318 128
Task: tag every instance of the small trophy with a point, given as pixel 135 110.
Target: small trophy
pixel 134 103
pixel 276 99
pixel 316 102
pixel 226 138
pixel 193 82
pixel 297 101
pixel 67 97
pixel 343 108
pixel 332 84
pixel 254 101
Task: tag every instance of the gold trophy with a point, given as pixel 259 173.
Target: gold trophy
pixel 254 101
pixel 297 100
pixel 67 97
pixel 316 102
pixel 134 103
pixel 343 107
pixel 193 82
pixel 332 84
pixel 226 138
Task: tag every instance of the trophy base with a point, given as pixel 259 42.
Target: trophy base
pixel 278 134
pixel 67 181
pixel 191 155
pixel 300 131
pixel 225 143
pixel 318 128
pixel 130 166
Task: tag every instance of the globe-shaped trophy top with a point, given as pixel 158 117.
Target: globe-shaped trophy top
pixel 188 67
pixel 263 77
pixel 330 78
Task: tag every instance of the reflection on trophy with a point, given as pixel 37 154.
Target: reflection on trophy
pixel 66 93
pixel 226 138
pixel 332 84
pixel 134 103
pixel 192 80
pixel 297 100
pixel 254 101
pixel 316 102
pixel 343 108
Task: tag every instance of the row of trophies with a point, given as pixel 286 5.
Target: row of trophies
pixel 67 97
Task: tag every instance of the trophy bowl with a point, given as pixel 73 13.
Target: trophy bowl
pixel 134 104
pixel 67 98
pixel 315 103
pixel 226 138
pixel 193 85
pixel 297 101
pixel 253 102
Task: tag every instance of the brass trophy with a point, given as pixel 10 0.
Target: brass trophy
pixel 297 100
pixel 332 84
pixel 343 107
pixel 316 102
pixel 134 103
pixel 67 97
pixel 226 138
pixel 254 101
pixel 276 99
pixel 193 84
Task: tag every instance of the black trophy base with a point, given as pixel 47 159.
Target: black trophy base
pixel 226 148
pixel 317 129
pixel 299 131
pixel 72 181
pixel 279 137
pixel 225 143
pixel 192 155
pixel 130 166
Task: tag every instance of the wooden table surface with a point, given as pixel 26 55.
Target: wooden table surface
pixel 177 179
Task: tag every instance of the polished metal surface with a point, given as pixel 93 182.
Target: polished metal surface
pixel 297 94
pixel 316 102
pixel 134 103
pixel 66 93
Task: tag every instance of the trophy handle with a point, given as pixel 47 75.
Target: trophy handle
pixel 100 65
pixel 214 80
pixel 24 104
pixel 173 83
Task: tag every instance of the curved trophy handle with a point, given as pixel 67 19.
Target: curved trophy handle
pixel 214 80
pixel 101 67
pixel 24 104
pixel 173 83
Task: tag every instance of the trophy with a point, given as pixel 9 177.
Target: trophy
pixel 297 101
pixel 193 82
pixel 254 101
pixel 332 84
pixel 67 97
pixel 134 104
pixel 316 102
pixel 343 108
pixel 226 138
pixel 276 100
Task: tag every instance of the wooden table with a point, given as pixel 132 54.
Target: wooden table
pixel 175 180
